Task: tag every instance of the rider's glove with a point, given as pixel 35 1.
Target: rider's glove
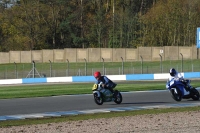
pixel 103 85
pixel 184 81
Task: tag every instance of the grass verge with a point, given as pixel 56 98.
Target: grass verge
pixel 45 90
pixel 93 116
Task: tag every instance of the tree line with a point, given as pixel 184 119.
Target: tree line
pixel 58 24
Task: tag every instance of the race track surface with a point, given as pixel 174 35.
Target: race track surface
pixel 22 108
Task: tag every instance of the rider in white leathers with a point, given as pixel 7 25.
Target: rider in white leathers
pixel 177 76
pixel 174 74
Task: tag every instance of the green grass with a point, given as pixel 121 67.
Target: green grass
pixel 92 116
pixel 21 70
pixel 82 88
pixel 45 90
pixel 187 64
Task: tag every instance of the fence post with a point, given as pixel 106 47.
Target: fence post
pixel 67 67
pixel 50 68
pixel 85 67
pixel 103 66
pixel 141 64
pixel 161 63
pixel 33 68
pixel 15 70
pixel 181 62
pixel 122 65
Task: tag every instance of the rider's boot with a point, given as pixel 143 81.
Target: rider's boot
pixel 113 92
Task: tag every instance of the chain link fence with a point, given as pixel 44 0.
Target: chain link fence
pixel 32 70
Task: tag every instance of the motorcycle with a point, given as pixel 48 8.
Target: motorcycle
pixel 102 95
pixel 181 89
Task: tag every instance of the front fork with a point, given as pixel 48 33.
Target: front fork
pixel 97 92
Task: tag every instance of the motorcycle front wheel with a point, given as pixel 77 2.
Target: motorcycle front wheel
pixel 176 95
pixel 98 100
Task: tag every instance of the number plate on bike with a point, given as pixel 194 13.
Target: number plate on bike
pixel 95 86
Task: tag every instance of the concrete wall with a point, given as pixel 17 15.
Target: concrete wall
pixel 47 55
pixel 100 54
pixel 171 53
pixel 37 56
pixel 157 53
pixel 106 54
pixel 82 55
pixel 58 55
pixel 70 54
pixel 4 58
pixel 145 53
pixel 131 55
pixel 15 56
pixel 119 54
pixel 94 55
pixel 26 57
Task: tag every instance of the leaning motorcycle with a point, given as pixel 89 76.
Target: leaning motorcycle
pixel 178 90
pixel 102 95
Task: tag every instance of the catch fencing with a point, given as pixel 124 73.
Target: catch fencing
pixel 34 70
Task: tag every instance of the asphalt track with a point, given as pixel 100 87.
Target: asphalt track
pixel 75 103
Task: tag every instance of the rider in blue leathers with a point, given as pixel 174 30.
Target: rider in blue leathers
pixel 106 82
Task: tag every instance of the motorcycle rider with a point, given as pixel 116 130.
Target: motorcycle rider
pixel 106 82
pixel 177 76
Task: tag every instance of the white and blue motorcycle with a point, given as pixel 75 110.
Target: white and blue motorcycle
pixel 181 89
pixel 102 95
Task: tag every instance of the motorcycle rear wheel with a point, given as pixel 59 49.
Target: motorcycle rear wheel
pixel 98 100
pixel 118 97
pixel 194 94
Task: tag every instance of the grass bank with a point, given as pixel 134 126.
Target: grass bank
pixel 92 116
pixel 22 70
pixel 45 90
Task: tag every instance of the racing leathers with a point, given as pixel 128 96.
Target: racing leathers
pixel 106 83
pixel 178 77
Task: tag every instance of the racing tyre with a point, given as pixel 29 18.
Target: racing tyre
pixel 118 97
pixel 194 94
pixel 98 100
pixel 176 95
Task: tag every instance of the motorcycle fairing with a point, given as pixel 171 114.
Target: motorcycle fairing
pixel 95 87
pixel 181 88
pixel 175 84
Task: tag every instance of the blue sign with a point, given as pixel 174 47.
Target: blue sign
pixel 198 37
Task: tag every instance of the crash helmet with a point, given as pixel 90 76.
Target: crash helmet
pixel 97 74
pixel 172 72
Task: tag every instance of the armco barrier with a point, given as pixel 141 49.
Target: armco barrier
pixel 92 79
